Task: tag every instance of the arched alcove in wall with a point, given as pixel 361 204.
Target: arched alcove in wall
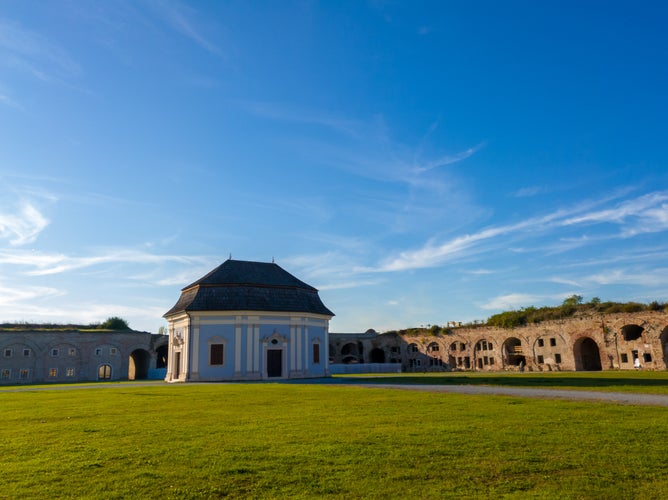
pixel 138 364
pixel 586 355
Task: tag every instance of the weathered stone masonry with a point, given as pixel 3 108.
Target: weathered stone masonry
pixel 80 356
pixel 588 343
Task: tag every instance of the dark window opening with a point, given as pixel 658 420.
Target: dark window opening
pixel 217 355
pixel 632 332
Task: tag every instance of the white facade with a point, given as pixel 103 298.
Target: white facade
pixel 247 345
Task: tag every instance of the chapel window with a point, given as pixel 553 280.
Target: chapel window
pixel 316 354
pixel 217 354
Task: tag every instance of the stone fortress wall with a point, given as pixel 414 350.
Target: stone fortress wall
pixel 624 341
pixel 81 356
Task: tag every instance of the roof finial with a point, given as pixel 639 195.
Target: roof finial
pixel 272 260
pixel 230 257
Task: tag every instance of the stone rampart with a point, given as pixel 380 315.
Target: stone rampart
pixel 624 341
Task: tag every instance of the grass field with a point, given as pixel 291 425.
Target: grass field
pixel 613 381
pixel 313 441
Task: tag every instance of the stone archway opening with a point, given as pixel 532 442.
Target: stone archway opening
pixel 349 349
pixel 587 355
pixel 377 355
pixel 632 332
pixel 138 365
pixel 350 353
pixel 512 352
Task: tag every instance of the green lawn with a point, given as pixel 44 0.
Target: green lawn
pixel 311 441
pixel 614 381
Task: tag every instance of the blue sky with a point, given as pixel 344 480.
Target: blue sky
pixel 417 162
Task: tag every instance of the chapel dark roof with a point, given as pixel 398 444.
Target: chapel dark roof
pixel 238 285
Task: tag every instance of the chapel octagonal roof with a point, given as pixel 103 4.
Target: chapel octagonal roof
pixel 238 285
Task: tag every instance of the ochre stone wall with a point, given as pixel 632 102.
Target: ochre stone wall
pixel 594 342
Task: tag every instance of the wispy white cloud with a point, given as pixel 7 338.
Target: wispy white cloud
pixel 182 18
pixel 446 160
pixel 30 52
pixel 649 213
pixel 649 209
pixel 81 312
pixel 280 112
pixel 23 225
pixel 12 295
pixel 348 285
pixel 8 101
pixel 42 264
pixel 655 277
pixel 527 192
pixel 511 301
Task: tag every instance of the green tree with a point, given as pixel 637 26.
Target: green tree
pixel 115 323
pixel 573 300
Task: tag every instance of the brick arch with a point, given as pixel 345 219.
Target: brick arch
pixel 587 354
pixel 512 352
pixel 138 364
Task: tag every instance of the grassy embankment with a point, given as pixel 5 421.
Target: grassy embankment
pixel 286 440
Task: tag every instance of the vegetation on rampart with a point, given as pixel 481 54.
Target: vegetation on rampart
pixel 113 323
pixel 573 306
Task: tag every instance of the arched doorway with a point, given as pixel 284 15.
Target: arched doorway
pixel 377 355
pixel 350 353
pixel 586 354
pixel 104 372
pixel 138 365
pixel 512 352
